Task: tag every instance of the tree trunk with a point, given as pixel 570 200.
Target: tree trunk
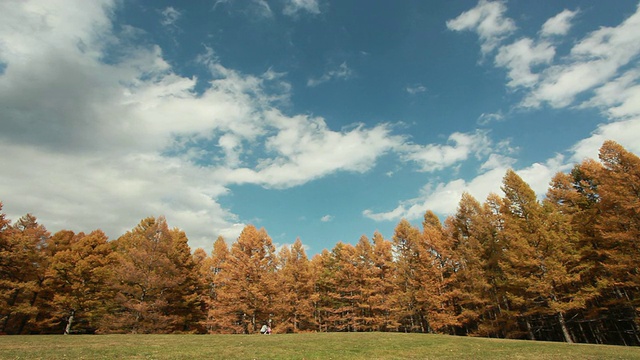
pixel 563 326
pixel 529 329
pixel 67 329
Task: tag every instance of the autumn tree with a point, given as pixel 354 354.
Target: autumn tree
pixel 211 276
pixel 339 288
pixel 440 275
pixel 383 285
pixel 78 277
pixel 294 300
pixel 470 288
pixel 540 257
pixel 601 199
pixel 619 225
pixel 368 282
pixel 184 298
pixel 412 266
pixel 155 281
pixel 22 269
pixel 247 297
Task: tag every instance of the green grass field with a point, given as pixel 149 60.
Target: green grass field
pixel 299 346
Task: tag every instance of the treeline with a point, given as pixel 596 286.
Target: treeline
pixel 561 269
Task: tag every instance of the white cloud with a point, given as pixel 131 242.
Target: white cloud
pixel 262 8
pixel 443 197
pixel 304 149
pixel 559 24
pixel 342 72
pixel 415 89
pixel 619 98
pixel 487 118
pixel 593 61
pixel 625 132
pixel 437 157
pixel 520 56
pixel 326 218
pixel 293 7
pixel 488 21
pixel 169 16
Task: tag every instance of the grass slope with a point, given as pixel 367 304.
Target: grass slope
pixel 299 346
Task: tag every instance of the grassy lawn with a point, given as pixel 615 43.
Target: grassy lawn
pixel 299 346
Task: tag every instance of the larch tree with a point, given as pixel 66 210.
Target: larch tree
pixel 521 265
pixel 78 277
pixel 618 227
pixel 619 190
pixel 295 297
pixel 412 264
pixel 577 196
pixel 323 284
pixel 366 280
pixel 212 276
pixel 540 258
pixel 470 287
pixel 248 294
pixel 383 283
pixel 185 298
pixel 152 283
pixel 438 293
pixel 22 266
pixel 341 292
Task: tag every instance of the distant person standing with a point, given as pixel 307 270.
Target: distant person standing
pixel 264 329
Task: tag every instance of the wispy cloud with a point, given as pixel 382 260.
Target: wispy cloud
pixel 342 72
pixel 592 62
pixel 294 7
pixel 488 20
pixel 415 89
pixel 169 16
pixel 520 56
pixel 262 8
pixel 326 218
pixel 487 118
pixel 559 24
pixel 254 9
pixel 434 157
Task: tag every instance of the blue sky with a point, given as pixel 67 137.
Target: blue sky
pixel 323 120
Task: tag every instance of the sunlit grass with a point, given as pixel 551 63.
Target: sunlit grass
pixel 299 346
